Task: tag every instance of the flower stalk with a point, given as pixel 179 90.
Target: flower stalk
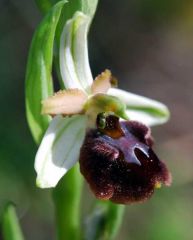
pixel 67 199
pixel 113 220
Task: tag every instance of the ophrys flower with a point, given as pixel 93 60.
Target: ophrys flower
pixel 75 109
pixel 118 162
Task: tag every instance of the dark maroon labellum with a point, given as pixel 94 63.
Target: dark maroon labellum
pixel 119 163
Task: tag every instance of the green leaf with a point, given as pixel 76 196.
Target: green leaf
pixel 10 224
pixel 59 149
pixel 45 5
pixel 86 6
pixel 74 63
pixel 39 68
pixel 145 110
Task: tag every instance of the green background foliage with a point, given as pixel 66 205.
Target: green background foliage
pixel 149 48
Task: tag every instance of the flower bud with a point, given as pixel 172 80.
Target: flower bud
pixel 118 162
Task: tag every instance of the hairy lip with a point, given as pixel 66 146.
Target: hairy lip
pixel 125 169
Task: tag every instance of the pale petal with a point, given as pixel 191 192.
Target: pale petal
pixel 144 117
pixel 142 109
pixel 59 149
pixel 74 62
pixel 102 82
pixel 66 102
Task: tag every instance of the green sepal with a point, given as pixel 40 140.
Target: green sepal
pixel 88 7
pixel 39 83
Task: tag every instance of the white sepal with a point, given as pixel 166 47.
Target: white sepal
pixel 74 61
pixel 59 149
pixel 145 110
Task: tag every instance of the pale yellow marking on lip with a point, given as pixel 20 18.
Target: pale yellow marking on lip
pixel 158 185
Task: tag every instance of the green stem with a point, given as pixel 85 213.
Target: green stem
pixel 67 205
pixel 113 220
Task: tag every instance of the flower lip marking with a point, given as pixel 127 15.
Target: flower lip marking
pixel 119 164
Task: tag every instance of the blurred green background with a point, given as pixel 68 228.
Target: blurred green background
pixel 148 45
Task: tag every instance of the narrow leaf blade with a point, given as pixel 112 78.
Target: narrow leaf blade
pixel 44 5
pixel 38 76
pixel 86 6
pixel 59 149
pixel 10 224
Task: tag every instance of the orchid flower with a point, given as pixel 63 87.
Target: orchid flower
pixel 75 109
